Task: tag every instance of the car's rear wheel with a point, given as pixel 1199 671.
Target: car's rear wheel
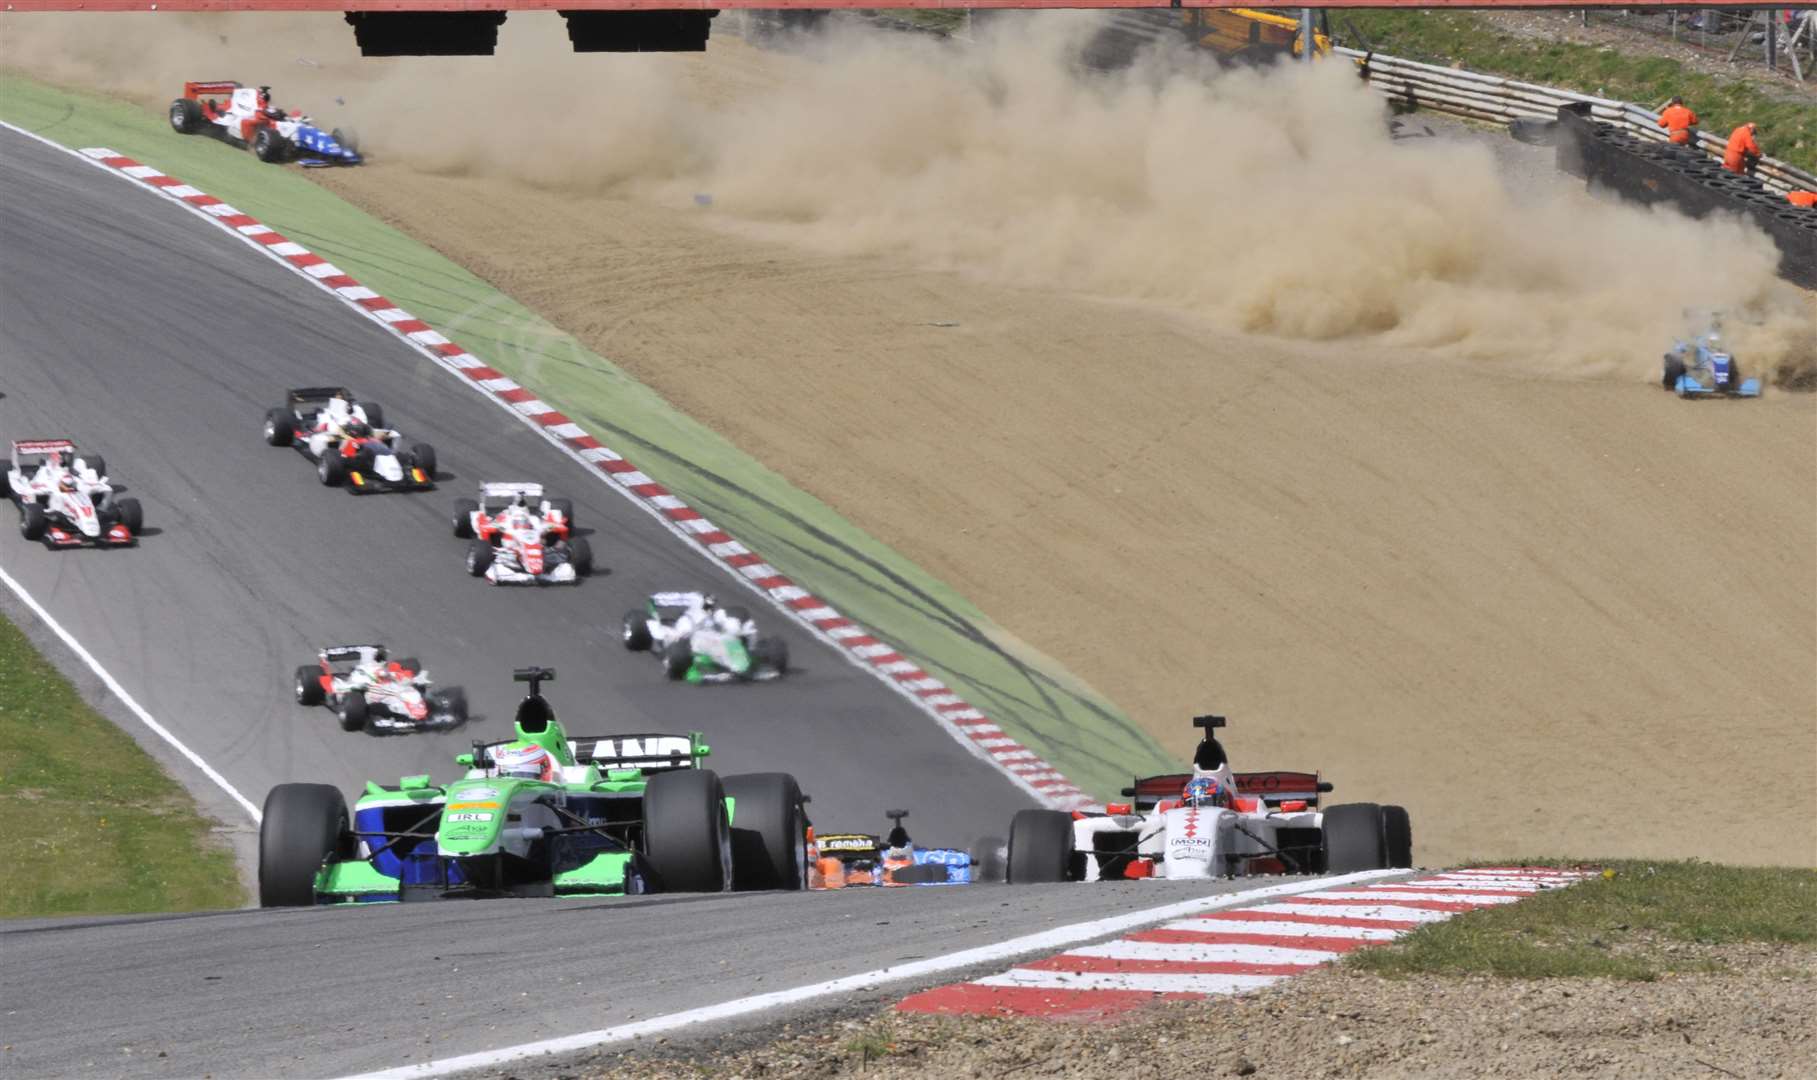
pixel 1040 846
pixel 990 860
pixel 677 659
pixel 309 685
pixel 186 116
pixel 1674 370
pixel 686 834
pixel 1353 839
pixel 280 427
pixel 565 507
pixel 769 832
pixel 375 413
pixel 302 825
pixel 1397 836
pixel 352 711
pixel 636 632
pixel 95 463
pixel 464 509
pixel 580 555
pixel 269 146
pixel 32 522
pixel 479 557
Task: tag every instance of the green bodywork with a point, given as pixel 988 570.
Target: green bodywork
pixel 464 828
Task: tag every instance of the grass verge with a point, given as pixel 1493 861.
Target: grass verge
pixel 1788 127
pixel 1030 695
pixel 1640 921
pixel 94 825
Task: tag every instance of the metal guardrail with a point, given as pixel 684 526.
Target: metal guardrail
pixel 1496 99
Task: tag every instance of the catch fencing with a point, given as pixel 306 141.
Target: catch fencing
pixel 1497 99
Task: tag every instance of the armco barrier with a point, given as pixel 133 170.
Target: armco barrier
pixel 1650 172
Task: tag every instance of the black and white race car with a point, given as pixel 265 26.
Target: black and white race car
pixel 368 690
pixel 348 441
pixel 64 497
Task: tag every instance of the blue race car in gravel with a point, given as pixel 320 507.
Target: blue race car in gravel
pixel 1701 367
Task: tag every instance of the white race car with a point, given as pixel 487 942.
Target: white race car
pixel 245 116
pixel 517 537
pixel 1210 823
pixel 368 690
pixel 64 498
pixel 699 641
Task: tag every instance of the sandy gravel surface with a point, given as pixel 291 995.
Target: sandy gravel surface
pixel 1332 1023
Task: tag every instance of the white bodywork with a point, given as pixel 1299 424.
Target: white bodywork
pixel 394 701
pixel 708 627
pixel 38 468
pixel 244 105
pixel 523 548
pixel 1188 842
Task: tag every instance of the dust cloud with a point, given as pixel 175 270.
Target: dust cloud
pixel 1274 202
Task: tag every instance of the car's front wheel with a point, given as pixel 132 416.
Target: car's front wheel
pixel 270 147
pixel 769 832
pixel 302 825
pixel 309 685
pixel 352 711
pixel 479 557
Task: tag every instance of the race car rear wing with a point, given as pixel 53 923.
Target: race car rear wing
pixel 647 753
pixel 219 86
pixel 1273 788
pixel 505 491
pixel 300 395
pixel 42 446
pixel 849 845
pixel 347 652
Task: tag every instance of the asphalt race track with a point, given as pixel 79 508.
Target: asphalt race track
pixel 327 992
pixel 159 342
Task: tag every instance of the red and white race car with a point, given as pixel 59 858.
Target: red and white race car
pixel 517 537
pixel 245 116
pixel 368 690
pixel 1210 823
pixel 64 498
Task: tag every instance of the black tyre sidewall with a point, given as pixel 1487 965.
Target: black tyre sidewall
pixel 351 710
pixel 769 832
pixel 479 557
pixel 1352 839
pixel 637 632
pixel 302 825
pixel 1040 847
pixel 464 509
pixel 1397 837
pixel 686 834
pixel 310 684
pixel 677 658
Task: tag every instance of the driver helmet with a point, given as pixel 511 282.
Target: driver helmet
pixel 394 670
pixel 1205 791
pixel 358 429
pixel 66 482
pixel 708 601
pixel 264 96
pixel 529 762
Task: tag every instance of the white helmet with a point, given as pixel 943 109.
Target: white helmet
pixel 523 762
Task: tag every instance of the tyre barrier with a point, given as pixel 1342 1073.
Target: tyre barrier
pixel 1646 172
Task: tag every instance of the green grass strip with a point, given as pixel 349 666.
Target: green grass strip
pixel 1788 124
pixel 1622 925
pixel 94 825
pixel 1029 694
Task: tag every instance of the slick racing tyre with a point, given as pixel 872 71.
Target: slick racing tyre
pixel 331 469
pixel 686 834
pixel 270 147
pixel 1040 846
pixel 636 632
pixel 479 557
pixel 129 513
pixel 565 507
pixel 1397 834
pixel 769 832
pixel 375 413
pixel 280 427
pixel 186 116
pixel 771 653
pixel 464 509
pixel 97 463
pixel 309 685
pixel 422 455
pixel 990 860
pixel 352 711
pixel 303 824
pixel 450 703
pixel 1353 839
pixel 1674 370
pixel 580 556
pixel 677 659
pixel 32 522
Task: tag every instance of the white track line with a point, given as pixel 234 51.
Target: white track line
pixel 1058 938
pixel 126 699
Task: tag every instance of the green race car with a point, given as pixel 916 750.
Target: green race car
pixel 540 815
